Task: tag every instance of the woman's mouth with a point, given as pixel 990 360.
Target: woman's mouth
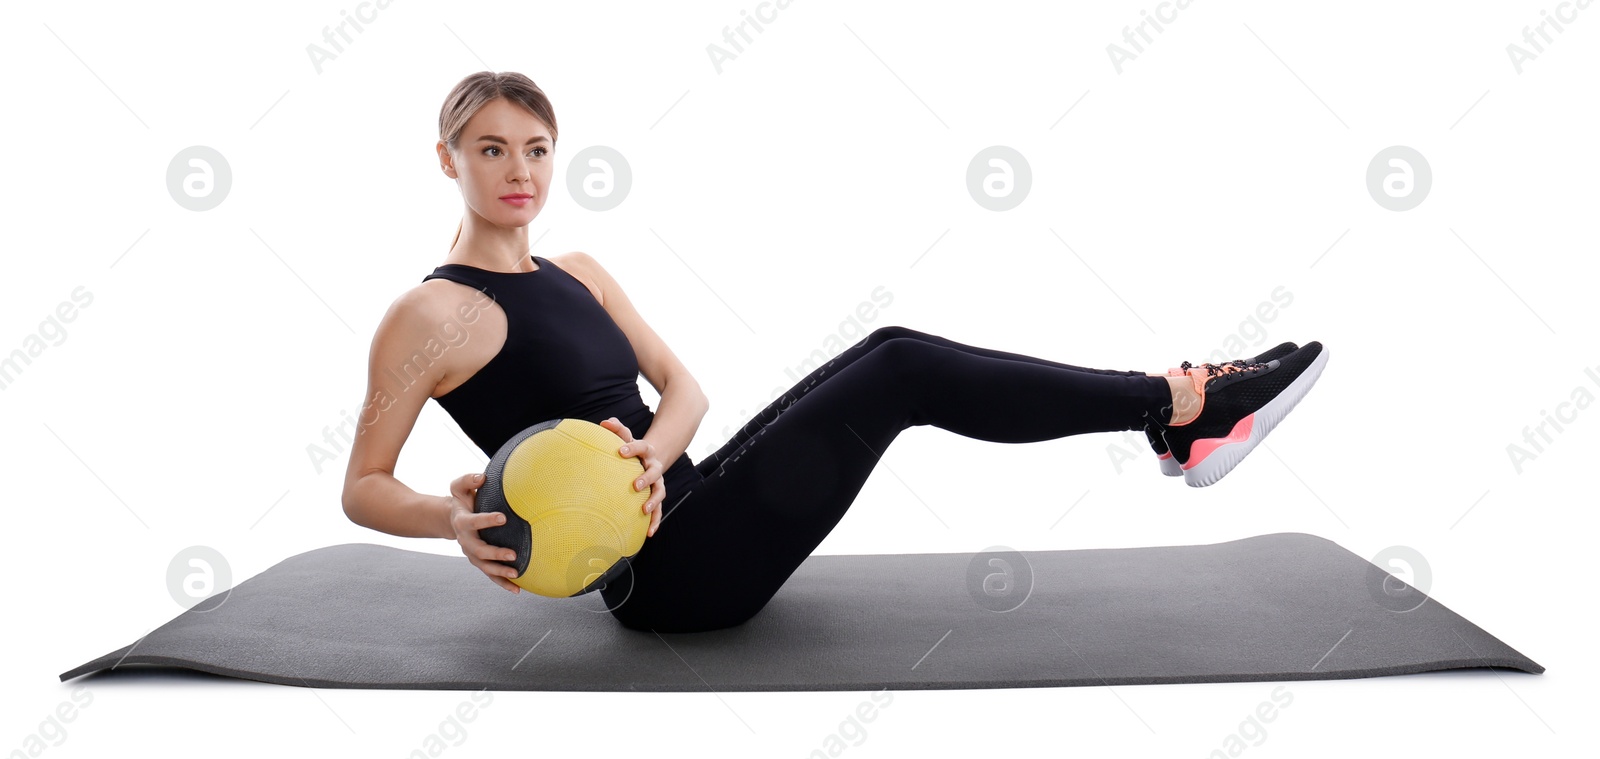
pixel 517 199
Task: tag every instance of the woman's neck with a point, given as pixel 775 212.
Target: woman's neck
pixel 459 255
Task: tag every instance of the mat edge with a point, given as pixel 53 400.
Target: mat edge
pixel 1355 674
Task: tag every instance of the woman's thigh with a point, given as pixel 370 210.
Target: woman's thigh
pixel 726 546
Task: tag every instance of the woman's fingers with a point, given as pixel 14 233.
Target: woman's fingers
pixel 618 428
pixel 489 552
pixel 652 472
pixel 646 453
pixel 477 548
pixel 479 551
pixel 483 556
pixel 489 519
pixel 465 487
pixel 658 496
pixel 650 477
pixel 638 448
pixel 500 578
pixel 493 569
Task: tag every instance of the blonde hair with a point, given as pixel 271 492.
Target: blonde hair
pixel 477 90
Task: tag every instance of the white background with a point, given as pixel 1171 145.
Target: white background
pixel 769 200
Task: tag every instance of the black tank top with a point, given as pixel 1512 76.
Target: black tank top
pixel 564 357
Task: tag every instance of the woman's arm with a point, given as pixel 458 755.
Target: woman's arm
pixel 378 501
pixel 678 415
pixel 683 404
pixel 372 496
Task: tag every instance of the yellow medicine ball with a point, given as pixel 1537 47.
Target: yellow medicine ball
pixel 572 514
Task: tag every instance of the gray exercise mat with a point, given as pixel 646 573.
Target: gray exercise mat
pixel 1287 606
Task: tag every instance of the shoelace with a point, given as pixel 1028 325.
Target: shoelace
pixel 1229 367
pixel 1212 370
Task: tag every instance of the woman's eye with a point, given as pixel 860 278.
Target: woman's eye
pixel 540 151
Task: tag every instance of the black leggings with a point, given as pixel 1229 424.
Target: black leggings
pixel 754 510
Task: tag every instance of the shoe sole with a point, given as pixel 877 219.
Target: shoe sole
pixel 1251 430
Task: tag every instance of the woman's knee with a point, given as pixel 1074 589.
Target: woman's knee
pixel 903 360
pixel 891 332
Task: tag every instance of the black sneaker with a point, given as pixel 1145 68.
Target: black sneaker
pixel 1170 465
pixel 1240 402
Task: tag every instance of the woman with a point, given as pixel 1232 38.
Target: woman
pixel 548 338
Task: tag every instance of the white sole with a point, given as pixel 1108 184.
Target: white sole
pixel 1226 457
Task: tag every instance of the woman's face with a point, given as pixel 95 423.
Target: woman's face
pixel 504 150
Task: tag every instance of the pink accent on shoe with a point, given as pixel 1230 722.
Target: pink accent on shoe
pixel 1203 447
pixel 1164 456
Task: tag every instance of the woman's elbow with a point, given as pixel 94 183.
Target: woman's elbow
pixel 686 384
pixel 699 392
pixel 351 502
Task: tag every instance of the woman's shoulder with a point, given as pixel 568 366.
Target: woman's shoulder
pixel 420 309
pixel 429 317
pixel 438 298
pixel 584 269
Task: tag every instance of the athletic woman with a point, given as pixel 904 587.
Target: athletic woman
pixel 503 340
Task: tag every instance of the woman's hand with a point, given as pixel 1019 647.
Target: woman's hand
pixel 652 470
pixel 466 522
